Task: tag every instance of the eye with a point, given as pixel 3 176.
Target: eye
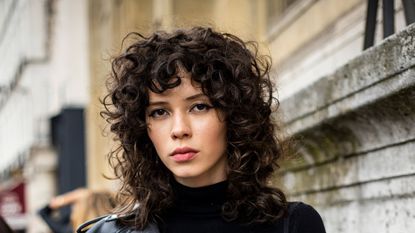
pixel 200 107
pixel 157 113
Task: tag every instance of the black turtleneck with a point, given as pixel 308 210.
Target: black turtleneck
pixel 198 210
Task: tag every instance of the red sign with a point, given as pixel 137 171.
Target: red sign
pixel 13 206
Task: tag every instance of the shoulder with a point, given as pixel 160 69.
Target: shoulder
pixel 111 223
pixel 304 218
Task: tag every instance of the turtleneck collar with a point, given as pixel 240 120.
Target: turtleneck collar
pixel 206 199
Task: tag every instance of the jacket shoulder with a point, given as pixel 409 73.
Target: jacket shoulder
pixel 112 223
pixel 304 218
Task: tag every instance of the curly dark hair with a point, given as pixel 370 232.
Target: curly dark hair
pixel 236 80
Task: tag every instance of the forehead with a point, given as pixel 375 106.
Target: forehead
pixel 187 87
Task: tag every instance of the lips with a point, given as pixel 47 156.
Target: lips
pixel 183 154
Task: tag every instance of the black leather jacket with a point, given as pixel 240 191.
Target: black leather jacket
pixel 110 224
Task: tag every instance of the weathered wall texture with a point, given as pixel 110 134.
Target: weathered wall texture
pixel 356 141
pixel 315 38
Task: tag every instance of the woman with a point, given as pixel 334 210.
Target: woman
pixel 192 112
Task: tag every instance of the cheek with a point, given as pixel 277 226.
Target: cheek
pixel 214 133
pixel 155 135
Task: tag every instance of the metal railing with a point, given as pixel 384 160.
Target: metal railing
pixel 388 12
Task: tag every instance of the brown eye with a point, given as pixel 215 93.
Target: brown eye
pixel 158 113
pixel 201 107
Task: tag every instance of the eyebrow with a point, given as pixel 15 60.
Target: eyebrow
pixel 195 96
pixel 192 97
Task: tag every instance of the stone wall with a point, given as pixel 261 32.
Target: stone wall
pixel 332 41
pixel 355 140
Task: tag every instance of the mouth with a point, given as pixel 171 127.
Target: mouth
pixel 183 154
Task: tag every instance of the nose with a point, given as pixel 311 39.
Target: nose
pixel 181 127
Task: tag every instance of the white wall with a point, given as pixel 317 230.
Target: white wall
pixel 69 59
pixel 19 46
pixel 47 80
pixel 45 54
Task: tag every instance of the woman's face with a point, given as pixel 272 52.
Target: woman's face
pixel 188 134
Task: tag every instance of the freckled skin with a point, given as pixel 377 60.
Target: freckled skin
pixel 184 117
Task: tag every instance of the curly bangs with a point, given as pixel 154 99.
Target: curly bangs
pixel 236 80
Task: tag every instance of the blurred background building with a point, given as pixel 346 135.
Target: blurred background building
pixel 44 76
pixel 347 97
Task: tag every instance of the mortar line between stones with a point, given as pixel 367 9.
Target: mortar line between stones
pixel 346 156
pixel 321 108
pixel 337 187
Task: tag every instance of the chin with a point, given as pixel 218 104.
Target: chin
pixel 184 175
